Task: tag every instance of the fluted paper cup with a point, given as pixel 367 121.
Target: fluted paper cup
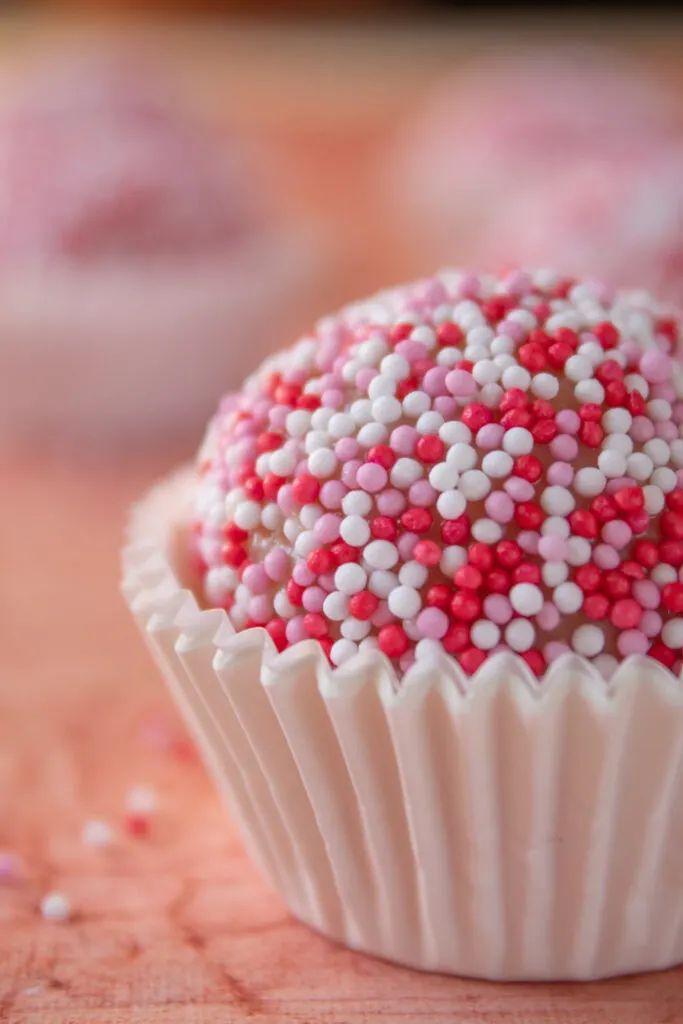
pixel 495 826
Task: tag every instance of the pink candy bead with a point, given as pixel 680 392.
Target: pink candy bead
pixel 256 578
pixel 500 507
pixel 605 556
pixel 403 440
pixel 332 493
pixel 568 421
pixel 313 598
pixel 655 366
pixel 549 616
pixel 371 477
pixel 422 494
pixel 632 641
pixel 497 608
pixel 276 563
pixel 553 548
pixel 461 383
pixel 560 474
pixel 432 623
pixel 617 533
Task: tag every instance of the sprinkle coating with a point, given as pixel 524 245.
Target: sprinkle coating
pixel 464 465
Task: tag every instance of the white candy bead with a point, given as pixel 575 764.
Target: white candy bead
pixel 588 640
pixel 404 602
pixel 355 531
pixel 350 578
pixel 518 441
pixel 381 554
pixel 526 598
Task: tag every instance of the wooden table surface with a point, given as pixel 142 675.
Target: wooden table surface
pixel 176 926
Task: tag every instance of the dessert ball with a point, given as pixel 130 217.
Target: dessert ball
pixel 465 465
pixel 140 263
pixel 621 220
pixel 513 120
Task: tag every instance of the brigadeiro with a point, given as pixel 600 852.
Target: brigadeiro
pixel 421 600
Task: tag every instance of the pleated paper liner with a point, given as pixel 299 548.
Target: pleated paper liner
pixel 499 826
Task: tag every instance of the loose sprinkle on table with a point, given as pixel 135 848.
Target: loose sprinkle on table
pixel 55 907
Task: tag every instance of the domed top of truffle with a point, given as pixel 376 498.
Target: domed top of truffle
pixel 464 465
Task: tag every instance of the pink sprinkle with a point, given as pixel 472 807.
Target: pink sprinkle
pixel 382 617
pixel 371 477
pixel 446 406
pixel 511 329
pixel 326 581
pixel 461 383
pixel 560 474
pixel 406 544
pixel 500 507
pixel 651 623
pixel 331 494
pixel 518 283
pixel 519 489
pixel 260 609
pixel 642 429
pixel 9 869
pixel 553 548
pixel 256 579
pixel 617 482
pixel 403 439
pixel 276 417
pixel 666 391
pixel 285 499
pixel 434 382
pixel 406 661
pixel 295 630
pixel 677 413
pixel 467 287
pixel 646 593
pixel 497 608
pixel 490 437
pixel 302 575
pixel 276 564
pixel 605 556
pixel 666 430
pixel 312 599
pixel 422 494
pixel 431 292
pixel 391 502
pixel 632 351
pixel 349 472
pixel 346 449
pixel 332 398
pixel 568 421
pixel 549 616
pixel 564 447
pixel 364 377
pixel 553 650
pixel 655 366
pixel 528 541
pixel 617 533
pixel 432 623
pixel 326 529
pixel 412 350
pixel 632 641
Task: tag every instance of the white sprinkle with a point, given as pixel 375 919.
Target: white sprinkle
pixel 355 629
pixel 282 462
pixel 380 387
pixel 500 345
pixel 356 503
pixel 568 598
pixel 526 598
pixel 663 574
pixel 283 607
pixel 518 441
pixel 672 633
pixel 485 635
pixel 545 385
pixel 658 451
pixel 580 551
pixel 381 554
pixel 617 421
pixel 520 635
pixel 554 573
pixel 487 531
pixel 336 606
pixel 341 425
pixel 589 391
pixel 271 516
pixel 654 499
pixel 634 382
pixel 443 476
pixel 676 448
pixel 621 443
pixel 639 466
pixel 342 650
pixel 452 557
pixel 381 582
pixel 355 530
pixel 555 526
pixel 486 372
pixel 405 472
pixel 310 514
pixel 588 640
pixel 474 484
pixel 395 367
pixel 429 423
pixel 55 907
pixel 590 481
pixel 321 417
pixel 425 335
pixel 412 574
pixel 141 800
pixel 350 578
pixel 372 433
pixel 578 368
pixel 305 543
pixel 497 464
pixel 316 439
pixel 428 650
pixel 665 479
pixel 462 456
pixel 361 410
pixel 612 463
pixel 404 602
pixel 455 432
pixel 415 403
pixel 659 409
pixel 557 501
pixel 97 833
pixel 516 377
pixel 247 515
pixel 298 422
pixel 451 504
pixel 322 463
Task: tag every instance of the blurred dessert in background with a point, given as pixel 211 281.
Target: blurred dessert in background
pixel 142 267
pixel 511 122
pixel 614 219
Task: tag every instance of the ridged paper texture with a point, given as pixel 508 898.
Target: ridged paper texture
pixel 497 826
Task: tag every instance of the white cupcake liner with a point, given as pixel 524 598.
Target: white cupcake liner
pixel 496 827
